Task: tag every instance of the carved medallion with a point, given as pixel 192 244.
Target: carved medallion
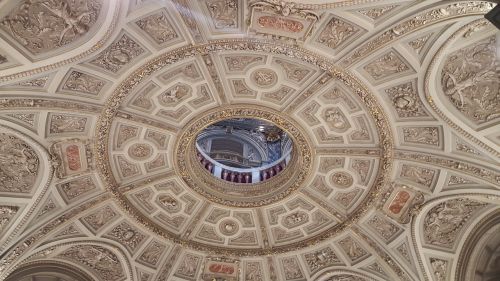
pixel 140 151
pixel 229 227
pixel 264 78
pixel 341 179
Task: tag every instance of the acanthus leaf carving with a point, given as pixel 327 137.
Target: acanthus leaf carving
pixel 42 26
pixel 469 71
pixel 444 222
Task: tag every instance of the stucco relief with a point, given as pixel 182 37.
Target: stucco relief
pixel 444 222
pixel 98 259
pixel 119 54
pixel 387 65
pixel 42 26
pixel 224 13
pixel 469 71
pixel 19 165
pixel 83 83
pixel 336 33
pixel 152 253
pixel 7 213
pixel 158 27
pixel 188 267
pixel 377 12
pixel 406 101
pixel 321 259
pixel 127 235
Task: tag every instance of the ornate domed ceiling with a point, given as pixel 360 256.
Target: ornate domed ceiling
pixel 393 109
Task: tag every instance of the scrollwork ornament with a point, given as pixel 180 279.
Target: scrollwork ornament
pixel 107 116
pixel 430 99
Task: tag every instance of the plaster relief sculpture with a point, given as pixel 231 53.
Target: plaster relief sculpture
pixel 469 71
pixel 419 175
pixel 127 235
pixel 75 188
pixel 295 219
pixel 241 89
pixel 158 27
pixel 42 26
pixel 100 218
pixel 140 151
pixel 383 227
pixel 346 199
pixel 341 179
pixel 40 82
pixel 188 267
pixel 208 233
pixel 422 135
pixel 321 259
pixel 352 249
pixel 169 203
pixel 127 169
pixel 174 95
pixel 83 83
pixel 388 65
pixel 7 213
pixel 362 168
pixel 224 13
pixel 336 120
pixel 345 277
pixel 152 253
pixel 292 268
pixel 336 33
pixel 419 43
pixel 253 271
pixel 264 77
pixel 66 123
pixel 406 101
pixel 445 221
pixel 240 63
pixel 229 227
pixel 98 259
pixel 19 165
pixel 439 268
pixel 378 12
pixel 126 133
pixel 293 71
pixel 119 54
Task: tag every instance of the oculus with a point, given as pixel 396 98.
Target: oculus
pixel 243 150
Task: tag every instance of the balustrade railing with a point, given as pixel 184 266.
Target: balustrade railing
pixel 243 175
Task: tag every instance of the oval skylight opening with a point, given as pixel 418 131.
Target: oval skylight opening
pixel 244 150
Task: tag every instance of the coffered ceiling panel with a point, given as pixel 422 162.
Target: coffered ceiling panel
pixel 391 108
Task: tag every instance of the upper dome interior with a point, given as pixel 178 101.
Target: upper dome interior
pixel 248 140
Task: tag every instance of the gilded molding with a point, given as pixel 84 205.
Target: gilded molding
pixel 430 16
pixel 157 64
pixel 216 190
pixel 474 170
pixel 26 244
pixel 96 47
